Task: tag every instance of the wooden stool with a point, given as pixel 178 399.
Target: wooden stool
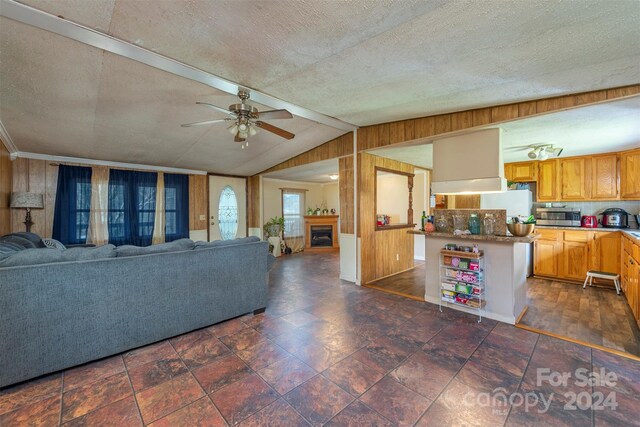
pixel 602 275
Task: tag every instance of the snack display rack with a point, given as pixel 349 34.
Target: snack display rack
pixel 462 280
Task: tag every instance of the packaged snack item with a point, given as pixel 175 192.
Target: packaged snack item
pixel 447 260
pixel 464 263
pixel 474 265
pixel 449 286
pixel 455 261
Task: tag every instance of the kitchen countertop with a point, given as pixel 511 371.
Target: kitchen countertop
pixel 480 237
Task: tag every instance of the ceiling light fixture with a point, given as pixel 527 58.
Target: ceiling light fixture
pixel 542 151
pixel 333 176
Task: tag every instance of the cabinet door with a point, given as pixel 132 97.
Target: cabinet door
pixel 604 177
pixel 630 175
pixel 605 251
pixel 574 176
pixel 508 171
pixel 632 288
pixel 524 172
pixel 575 260
pixel 545 258
pixel 548 181
pixel 624 273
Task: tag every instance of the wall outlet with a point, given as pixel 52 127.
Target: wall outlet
pixel 397 257
pixel 203 217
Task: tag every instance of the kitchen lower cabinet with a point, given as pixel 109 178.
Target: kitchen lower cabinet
pixel 605 251
pixel 569 254
pixel 630 277
pixel 575 260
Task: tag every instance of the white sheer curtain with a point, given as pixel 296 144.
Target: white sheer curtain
pixel 159 220
pixel 98 232
pixel 293 211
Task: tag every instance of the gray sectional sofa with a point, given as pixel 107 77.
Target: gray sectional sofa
pixel 66 311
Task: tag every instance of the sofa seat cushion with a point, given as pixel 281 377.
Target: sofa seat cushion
pixel 175 246
pixel 219 243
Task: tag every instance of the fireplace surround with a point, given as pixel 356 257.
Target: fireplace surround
pixel 321 232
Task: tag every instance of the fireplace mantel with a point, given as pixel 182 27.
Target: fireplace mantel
pixel 321 220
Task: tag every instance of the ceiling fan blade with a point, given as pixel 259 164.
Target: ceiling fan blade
pixel 274 114
pixel 238 138
pixel 273 129
pixel 215 107
pixel 207 122
pixel 518 148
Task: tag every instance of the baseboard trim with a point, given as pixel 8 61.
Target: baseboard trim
pixel 389 291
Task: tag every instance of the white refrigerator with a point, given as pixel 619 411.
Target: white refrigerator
pixel 517 203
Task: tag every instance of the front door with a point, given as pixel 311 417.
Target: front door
pixel 227 207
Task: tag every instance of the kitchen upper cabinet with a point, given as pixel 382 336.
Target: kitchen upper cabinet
pixel 575 178
pixel 604 177
pixel 547 187
pixel 546 252
pixel 605 251
pixel 630 174
pixel 523 172
pixel 508 171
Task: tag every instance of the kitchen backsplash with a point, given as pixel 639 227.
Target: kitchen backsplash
pixel 596 208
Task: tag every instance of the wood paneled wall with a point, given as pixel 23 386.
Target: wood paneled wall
pixel 5 190
pixel 253 202
pixel 383 134
pixel 198 202
pixel 382 252
pixel 345 172
pixel 36 176
pixel 41 176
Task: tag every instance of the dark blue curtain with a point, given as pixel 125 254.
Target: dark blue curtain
pixel 176 206
pixel 132 207
pixel 73 202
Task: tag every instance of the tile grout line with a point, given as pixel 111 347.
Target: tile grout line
pixel 61 397
pixel 522 378
pixel 458 371
pixel 133 392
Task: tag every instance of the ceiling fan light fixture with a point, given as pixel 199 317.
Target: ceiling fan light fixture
pixel 532 154
pixel 252 131
pixel 233 129
pixel 543 154
pixel 333 176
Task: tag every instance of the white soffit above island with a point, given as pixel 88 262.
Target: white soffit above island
pixel 469 163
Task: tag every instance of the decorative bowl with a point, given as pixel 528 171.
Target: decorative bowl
pixel 520 229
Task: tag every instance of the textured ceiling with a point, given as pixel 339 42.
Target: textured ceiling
pixel 602 128
pixel 363 61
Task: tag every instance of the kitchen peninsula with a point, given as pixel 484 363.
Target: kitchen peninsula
pixel 505 272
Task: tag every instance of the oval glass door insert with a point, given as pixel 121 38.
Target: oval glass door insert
pixel 228 214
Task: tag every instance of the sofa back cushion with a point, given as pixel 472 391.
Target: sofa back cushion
pixel 32 256
pixel 86 254
pixel 32 237
pixel 219 243
pixel 18 240
pixel 175 246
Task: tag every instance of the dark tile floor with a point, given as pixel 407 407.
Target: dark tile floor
pixel 596 315
pixel 327 352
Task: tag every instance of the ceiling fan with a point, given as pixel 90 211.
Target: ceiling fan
pixel 246 119
pixel 539 151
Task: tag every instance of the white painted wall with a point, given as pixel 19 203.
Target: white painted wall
pixel 392 197
pixel 420 203
pixel 272 195
pixel 331 194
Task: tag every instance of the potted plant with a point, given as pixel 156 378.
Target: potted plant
pixel 273 227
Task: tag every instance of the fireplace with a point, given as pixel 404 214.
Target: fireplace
pixel 321 236
pixel 321 232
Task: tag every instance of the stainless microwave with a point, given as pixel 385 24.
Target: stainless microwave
pixel 564 217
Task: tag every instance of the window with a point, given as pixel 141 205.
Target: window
pixel 73 204
pixel 293 211
pixel 132 207
pixel 228 214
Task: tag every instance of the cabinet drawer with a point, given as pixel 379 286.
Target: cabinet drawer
pixel 546 234
pixel 576 236
pixel 636 253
